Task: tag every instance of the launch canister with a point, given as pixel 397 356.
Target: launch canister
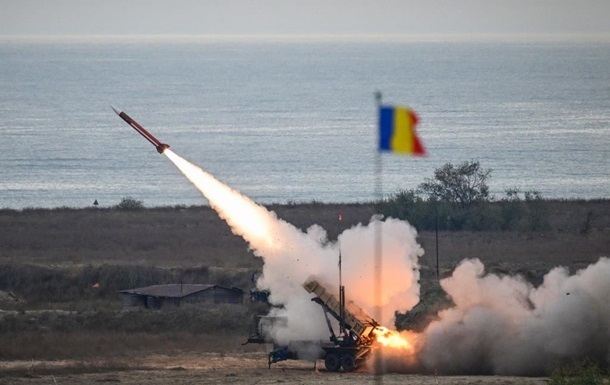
pixel 136 126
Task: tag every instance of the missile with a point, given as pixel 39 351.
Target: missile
pixel 136 126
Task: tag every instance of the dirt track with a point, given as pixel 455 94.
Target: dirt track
pixel 213 368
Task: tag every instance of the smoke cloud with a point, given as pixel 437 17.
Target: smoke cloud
pixel 498 324
pixel 504 325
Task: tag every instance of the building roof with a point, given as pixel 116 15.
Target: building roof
pixel 176 290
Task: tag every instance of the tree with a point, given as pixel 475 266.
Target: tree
pixel 462 184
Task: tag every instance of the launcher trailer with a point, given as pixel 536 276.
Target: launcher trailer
pixel 346 350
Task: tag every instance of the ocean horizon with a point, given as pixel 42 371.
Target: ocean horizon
pixel 295 120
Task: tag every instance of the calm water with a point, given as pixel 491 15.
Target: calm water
pixel 295 121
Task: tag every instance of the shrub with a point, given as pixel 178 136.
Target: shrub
pixel 511 210
pixel 538 213
pixel 130 204
pixel 404 204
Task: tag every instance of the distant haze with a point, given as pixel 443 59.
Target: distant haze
pixel 292 17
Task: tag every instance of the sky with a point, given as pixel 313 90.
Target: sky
pixel 304 17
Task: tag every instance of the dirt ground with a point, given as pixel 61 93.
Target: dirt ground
pixel 215 368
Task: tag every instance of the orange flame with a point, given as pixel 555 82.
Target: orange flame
pixel 392 339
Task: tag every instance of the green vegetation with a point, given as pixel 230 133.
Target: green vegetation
pixel 458 198
pixel 584 372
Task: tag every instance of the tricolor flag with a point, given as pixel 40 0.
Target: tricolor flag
pixel 397 131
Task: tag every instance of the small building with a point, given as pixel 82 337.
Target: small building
pixel 158 296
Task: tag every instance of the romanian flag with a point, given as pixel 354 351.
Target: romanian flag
pixel 397 131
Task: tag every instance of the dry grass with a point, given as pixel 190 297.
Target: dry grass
pixel 196 236
pixel 515 252
pixel 195 319
pixel 114 346
pixel 114 335
pixel 159 237
pixel 162 237
pixel 52 257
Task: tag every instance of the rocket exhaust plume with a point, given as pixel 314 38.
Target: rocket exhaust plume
pixel 498 324
pixel 291 256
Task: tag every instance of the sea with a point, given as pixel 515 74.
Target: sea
pixel 291 121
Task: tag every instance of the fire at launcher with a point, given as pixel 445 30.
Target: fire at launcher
pixel 346 350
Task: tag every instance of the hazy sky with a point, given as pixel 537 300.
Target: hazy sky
pixel 157 17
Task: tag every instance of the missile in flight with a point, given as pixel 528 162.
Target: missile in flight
pixel 136 126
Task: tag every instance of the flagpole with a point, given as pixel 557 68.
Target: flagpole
pixel 396 130
pixel 378 243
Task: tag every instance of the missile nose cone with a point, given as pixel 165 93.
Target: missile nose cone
pixel 118 112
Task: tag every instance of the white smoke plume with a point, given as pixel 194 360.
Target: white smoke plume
pixel 400 267
pixel 504 325
pixel 291 256
pixel 498 325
